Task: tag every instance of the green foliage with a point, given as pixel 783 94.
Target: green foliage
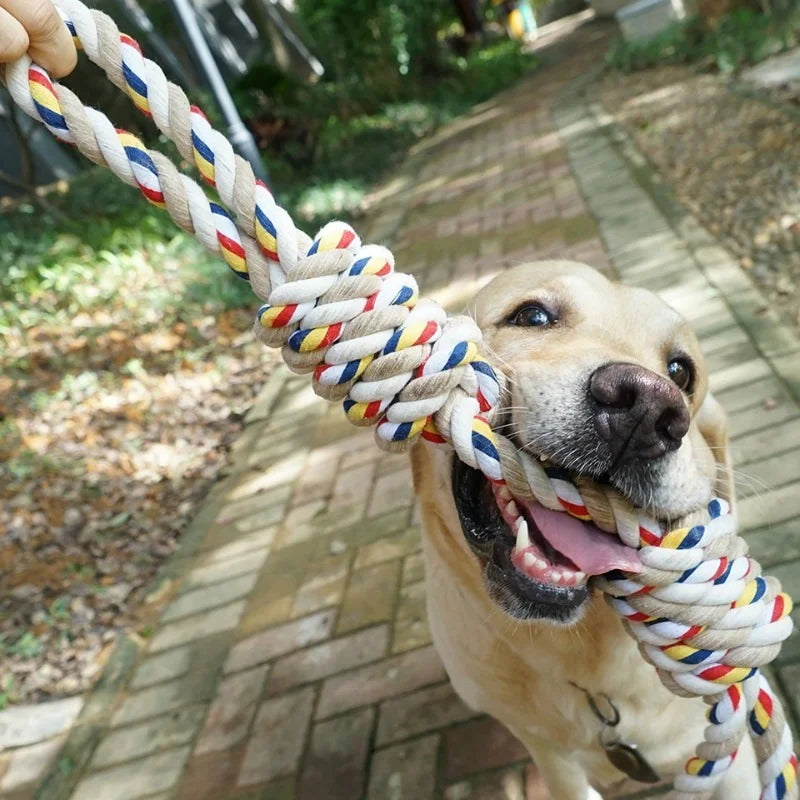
pixel 375 43
pixel 740 38
pixel 89 246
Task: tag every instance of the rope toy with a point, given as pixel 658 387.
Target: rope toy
pixel 701 611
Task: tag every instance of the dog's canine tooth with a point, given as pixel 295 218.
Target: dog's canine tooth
pixel 523 542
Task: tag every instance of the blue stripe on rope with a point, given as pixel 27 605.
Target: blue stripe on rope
pixel 404 295
pixel 51 118
pixel 456 356
pixel 140 157
pixel 724 577
pixel 134 81
pixel 401 434
pixel 203 148
pixel 349 372
pixel 265 222
pixel 480 442
pixel 692 538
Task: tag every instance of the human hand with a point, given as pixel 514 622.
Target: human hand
pixel 35 27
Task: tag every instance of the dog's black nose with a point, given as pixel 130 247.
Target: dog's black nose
pixel 640 414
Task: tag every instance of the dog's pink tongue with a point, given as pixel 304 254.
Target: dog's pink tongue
pixel 590 549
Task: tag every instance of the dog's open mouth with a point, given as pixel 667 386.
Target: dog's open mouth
pixel 538 562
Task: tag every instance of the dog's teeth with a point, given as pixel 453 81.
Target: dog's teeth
pixel 504 492
pixel 523 542
pixel 580 576
pixel 540 563
pixel 529 559
pixel 512 509
pixel 555 576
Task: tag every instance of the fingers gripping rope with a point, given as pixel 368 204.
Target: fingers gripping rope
pixel 701 611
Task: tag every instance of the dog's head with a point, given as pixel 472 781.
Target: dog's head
pixel 604 381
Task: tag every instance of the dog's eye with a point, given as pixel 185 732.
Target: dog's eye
pixel 681 373
pixel 532 315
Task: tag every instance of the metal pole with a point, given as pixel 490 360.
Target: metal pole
pixel 240 136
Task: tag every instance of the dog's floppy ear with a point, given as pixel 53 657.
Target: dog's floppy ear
pixel 713 425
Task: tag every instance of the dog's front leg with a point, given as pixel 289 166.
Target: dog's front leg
pixel 564 777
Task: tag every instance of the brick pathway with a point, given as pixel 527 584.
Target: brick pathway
pixel 293 659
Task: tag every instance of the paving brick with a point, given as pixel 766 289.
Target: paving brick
pixel 237 544
pixel 253 496
pixel 335 767
pixel 505 784
pixel 195 686
pixel 351 486
pixel 323 585
pixel 232 710
pixel 298 524
pixel 280 640
pixel 767 473
pixel 270 603
pixel 413 569
pixel 209 571
pixel 218 594
pixel 27 765
pixel 211 776
pixel 411 628
pixel 390 491
pixel 774 408
pixel 790 680
pixel 766 443
pixel 769 507
pixel 479 745
pixel 328 658
pixel 190 629
pixel 134 779
pixel 161 733
pixel 152 701
pixel 775 544
pixel 388 548
pixel 278 736
pixel 386 679
pixel 370 596
pixel 24 724
pixel 420 712
pixel 405 770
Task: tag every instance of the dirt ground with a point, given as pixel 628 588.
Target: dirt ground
pixel 731 155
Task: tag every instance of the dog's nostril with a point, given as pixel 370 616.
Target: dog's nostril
pixel 612 393
pixel 672 424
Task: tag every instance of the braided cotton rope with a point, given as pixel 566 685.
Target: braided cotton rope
pixel 700 610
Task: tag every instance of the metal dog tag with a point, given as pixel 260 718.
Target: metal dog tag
pixel 628 759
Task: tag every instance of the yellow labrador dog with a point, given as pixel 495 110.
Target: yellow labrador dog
pixel 609 382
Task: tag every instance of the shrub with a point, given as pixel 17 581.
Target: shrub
pixel 740 38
